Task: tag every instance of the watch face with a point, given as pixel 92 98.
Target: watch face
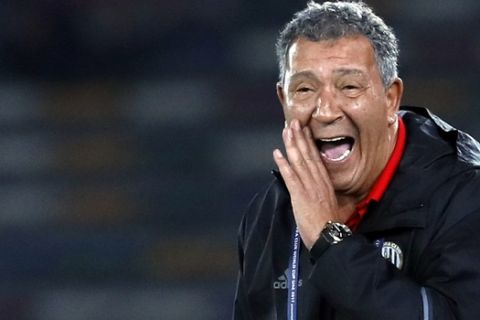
pixel 336 232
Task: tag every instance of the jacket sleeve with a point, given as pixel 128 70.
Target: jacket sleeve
pixel 360 284
pixel 252 238
pixel 240 307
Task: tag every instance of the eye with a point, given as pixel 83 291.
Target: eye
pixel 303 89
pixel 350 87
pixel 351 90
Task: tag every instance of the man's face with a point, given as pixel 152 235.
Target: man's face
pixel 335 88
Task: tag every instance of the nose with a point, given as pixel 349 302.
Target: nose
pixel 327 108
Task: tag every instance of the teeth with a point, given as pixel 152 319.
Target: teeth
pixel 332 139
pixel 343 156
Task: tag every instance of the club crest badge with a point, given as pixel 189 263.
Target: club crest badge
pixel 392 252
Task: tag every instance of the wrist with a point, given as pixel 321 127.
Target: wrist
pixel 332 234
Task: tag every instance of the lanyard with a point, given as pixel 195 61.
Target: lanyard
pixel 293 277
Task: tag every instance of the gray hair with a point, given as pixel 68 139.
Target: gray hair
pixel 334 20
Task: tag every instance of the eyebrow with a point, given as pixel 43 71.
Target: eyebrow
pixel 303 74
pixel 349 71
pixel 342 72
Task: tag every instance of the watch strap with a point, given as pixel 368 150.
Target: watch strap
pixel 319 247
pixel 331 234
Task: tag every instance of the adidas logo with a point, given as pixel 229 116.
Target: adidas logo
pixel 282 283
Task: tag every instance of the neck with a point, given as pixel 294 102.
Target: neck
pixel 346 206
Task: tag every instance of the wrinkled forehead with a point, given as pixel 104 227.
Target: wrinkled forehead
pixel 345 52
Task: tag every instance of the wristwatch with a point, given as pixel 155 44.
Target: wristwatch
pixel 332 233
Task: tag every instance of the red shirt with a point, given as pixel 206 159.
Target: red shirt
pixel 383 180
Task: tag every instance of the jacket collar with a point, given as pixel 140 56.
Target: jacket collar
pixel 429 139
pixel 467 148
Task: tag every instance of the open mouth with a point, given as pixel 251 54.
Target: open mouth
pixel 335 149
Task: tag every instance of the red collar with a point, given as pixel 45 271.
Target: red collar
pixel 383 180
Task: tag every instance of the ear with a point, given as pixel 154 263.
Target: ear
pixel 281 94
pixel 283 101
pixel 394 96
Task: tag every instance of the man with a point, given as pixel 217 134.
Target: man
pixel 375 211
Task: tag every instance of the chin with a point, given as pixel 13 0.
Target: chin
pixel 343 183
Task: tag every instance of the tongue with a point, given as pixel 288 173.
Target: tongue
pixel 334 150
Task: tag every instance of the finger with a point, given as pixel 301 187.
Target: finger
pixel 301 141
pixel 293 154
pixel 295 158
pixel 289 175
pixel 310 166
pixel 321 170
pixel 311 145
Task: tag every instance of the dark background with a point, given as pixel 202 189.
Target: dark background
pixel 134 133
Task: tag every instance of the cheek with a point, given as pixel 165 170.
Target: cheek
pixel 370 119
pixel 298 110
pixel 372 111
pixel 374 133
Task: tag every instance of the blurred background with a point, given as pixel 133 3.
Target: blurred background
pixel 134 134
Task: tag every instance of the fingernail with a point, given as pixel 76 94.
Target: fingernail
pixel 289 134
pixel 296 125
pixel 277 153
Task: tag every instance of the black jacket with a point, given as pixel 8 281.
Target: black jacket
pixel 431 211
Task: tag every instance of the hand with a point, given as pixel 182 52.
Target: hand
pixel 311 191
